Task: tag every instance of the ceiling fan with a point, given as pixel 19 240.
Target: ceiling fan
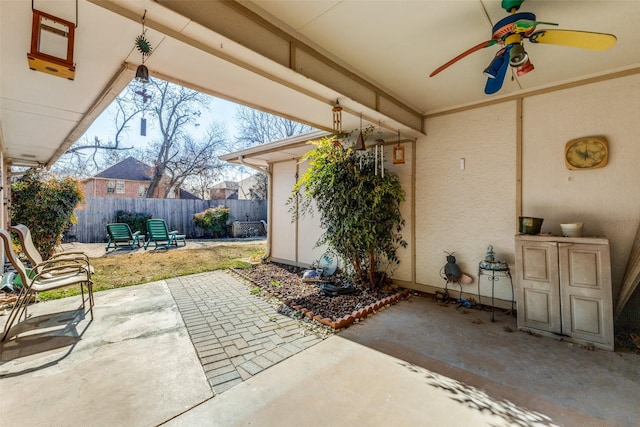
pixel 510 32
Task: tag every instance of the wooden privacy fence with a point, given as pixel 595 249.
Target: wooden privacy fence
pixel 97 212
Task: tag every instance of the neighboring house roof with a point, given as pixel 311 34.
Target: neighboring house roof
pixel 184 194
pixel 132 169
pixel 226 185
pixel 129 169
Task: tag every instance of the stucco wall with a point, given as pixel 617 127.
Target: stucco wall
pixel 403 271
pixel 309 232
pixel 607 200
pixel 465 210
pixel 283 231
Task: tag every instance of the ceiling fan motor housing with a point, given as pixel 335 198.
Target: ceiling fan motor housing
pixel 511 5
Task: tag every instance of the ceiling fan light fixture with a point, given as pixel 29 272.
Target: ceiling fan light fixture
pixel 517 55
pixel 524 68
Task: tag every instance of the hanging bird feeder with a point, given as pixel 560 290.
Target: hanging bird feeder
pixel 52 42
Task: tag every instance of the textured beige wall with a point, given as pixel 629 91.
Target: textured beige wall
pixel 607 200
pixel 465 210
pixel 309 232
pixel 283 231
pixel 404 270
pixel 292 242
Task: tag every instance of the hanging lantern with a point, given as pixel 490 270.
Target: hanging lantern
pixel 398 152
pixel 52 42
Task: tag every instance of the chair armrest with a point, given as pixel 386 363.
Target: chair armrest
pixel 53 264
pixel 65 258
pixel 64 269
pixel 67 253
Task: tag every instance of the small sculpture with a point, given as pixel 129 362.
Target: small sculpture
pixel 311 276
pixel 490 255
pixel 490 262
pixel 452 270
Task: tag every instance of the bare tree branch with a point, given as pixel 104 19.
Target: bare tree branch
pixel 177 109
pixel 257 127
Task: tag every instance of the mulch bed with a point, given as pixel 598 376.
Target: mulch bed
pixel 304 299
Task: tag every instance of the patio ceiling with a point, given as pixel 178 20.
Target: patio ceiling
pixel 290 58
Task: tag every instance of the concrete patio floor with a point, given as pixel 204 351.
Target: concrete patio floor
pixel 416 363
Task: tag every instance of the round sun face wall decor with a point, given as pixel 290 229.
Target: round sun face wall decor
pixel 590 152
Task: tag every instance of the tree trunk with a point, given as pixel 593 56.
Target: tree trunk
pixel 372 269
pixel 155 181
pixel 357 266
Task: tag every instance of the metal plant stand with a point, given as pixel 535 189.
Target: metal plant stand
pixel 503 271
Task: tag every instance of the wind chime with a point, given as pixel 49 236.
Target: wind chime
pixel 142 73
pixel 144 47
pixel 337 123
pixel 337 118
pixel 143 121
pixel 379 146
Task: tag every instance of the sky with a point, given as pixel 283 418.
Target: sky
pixel 220 111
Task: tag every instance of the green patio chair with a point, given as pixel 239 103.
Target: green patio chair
pixel 120 236
pixel 159 234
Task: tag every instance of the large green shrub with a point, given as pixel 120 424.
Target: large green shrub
pixel 213 221
pixel 359 209
pixel 137 221
pixel 45 204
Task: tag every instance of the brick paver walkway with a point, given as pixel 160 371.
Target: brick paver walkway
pixel 235 334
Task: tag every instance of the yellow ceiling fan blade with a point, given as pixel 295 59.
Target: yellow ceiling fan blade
pixel 580 39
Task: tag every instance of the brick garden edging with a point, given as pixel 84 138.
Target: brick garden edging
pixel 349 319
pixel 346 320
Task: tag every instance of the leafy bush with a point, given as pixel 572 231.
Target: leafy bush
pixel 137 221
pixel 45 204
pixel 359 209
pixel 213 221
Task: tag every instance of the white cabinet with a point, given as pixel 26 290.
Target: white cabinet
pixel 564 288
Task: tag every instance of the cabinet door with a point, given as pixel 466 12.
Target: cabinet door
pixel 538 285
pixel 587 309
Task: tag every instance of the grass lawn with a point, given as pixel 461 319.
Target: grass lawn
pixel 136 268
